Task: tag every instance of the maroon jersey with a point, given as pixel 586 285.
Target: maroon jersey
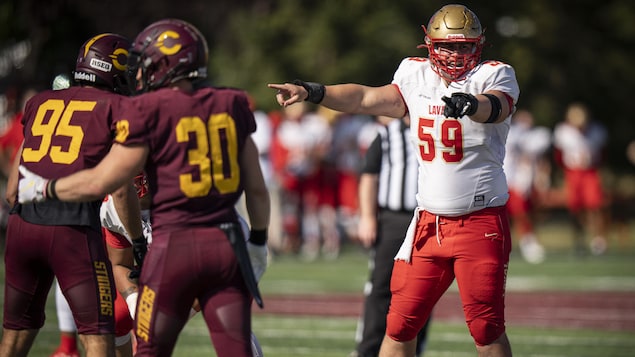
pixel 195 141
pixel 66 131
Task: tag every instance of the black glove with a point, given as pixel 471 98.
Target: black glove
pixel 139 250
pixel 460 104
pixel 134 275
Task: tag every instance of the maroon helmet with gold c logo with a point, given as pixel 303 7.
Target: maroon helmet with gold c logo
pixel 102 62
pixel 167 51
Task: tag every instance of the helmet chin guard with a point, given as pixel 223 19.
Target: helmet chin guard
pixel 454 26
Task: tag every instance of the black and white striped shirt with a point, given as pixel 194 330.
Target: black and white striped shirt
pixel 392 157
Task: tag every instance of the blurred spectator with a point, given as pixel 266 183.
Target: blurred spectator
pixel 622 192
pixel 345 155
pixel 307 185
pixel 630 152
pixel 579 143
pixel 8 106
pixel 527 170
pixel 11 138
pixel 10 143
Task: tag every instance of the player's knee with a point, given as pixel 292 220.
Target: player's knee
pixel 484 331
pixel 400 328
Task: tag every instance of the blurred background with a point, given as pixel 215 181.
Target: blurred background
pixel 563 52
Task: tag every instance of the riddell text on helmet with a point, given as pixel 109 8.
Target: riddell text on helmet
pixel 81 76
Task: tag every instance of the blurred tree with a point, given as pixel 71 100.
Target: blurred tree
pixel 562 51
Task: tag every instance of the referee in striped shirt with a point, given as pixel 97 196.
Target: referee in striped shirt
pixel 387 190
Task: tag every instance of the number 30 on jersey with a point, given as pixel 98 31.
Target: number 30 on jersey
pixel 220 169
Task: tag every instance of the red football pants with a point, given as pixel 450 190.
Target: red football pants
pixel 475 250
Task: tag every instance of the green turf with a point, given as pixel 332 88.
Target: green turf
pixel 326 337
pixel 283 336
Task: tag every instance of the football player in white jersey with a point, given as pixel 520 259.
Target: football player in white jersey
pixel 460 111
pixel 579 143
pixel 527 169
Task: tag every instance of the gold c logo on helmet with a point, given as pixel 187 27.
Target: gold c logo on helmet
pixel 115 58
pixel 161 44
pixel 122 130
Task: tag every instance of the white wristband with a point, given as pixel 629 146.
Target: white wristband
pixel 131 301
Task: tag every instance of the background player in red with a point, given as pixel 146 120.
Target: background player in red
pixel 11 139
pixel 307 185
pixel 195 145
pixel 66 131
pixel 579 143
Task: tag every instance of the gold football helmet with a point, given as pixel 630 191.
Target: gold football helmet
pixel 454 39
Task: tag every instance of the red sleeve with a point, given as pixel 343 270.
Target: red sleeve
pixel 115 240
pixel 510 102
pixel 13 136
pixel 401 94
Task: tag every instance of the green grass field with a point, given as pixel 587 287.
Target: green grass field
pixel 286 336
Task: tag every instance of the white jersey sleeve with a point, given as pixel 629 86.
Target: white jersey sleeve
pixel 460 161
pixel 110 219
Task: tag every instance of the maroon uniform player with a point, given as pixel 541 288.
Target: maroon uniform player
pixel 194 144
pixel 66 131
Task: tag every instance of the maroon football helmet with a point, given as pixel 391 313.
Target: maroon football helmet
pixel 167 51
pixel 141 184
pixel 102 62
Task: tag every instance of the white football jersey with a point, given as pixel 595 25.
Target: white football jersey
pixel 111 221
pixel 460 161
pixel 581 150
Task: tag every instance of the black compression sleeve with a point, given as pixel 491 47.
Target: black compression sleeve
pixel 497 108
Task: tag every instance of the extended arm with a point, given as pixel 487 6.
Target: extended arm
pixel 258 207
pixel 348 98
pixel 118 168
pixel 256 194
pixel 126 204
pixel 122 261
